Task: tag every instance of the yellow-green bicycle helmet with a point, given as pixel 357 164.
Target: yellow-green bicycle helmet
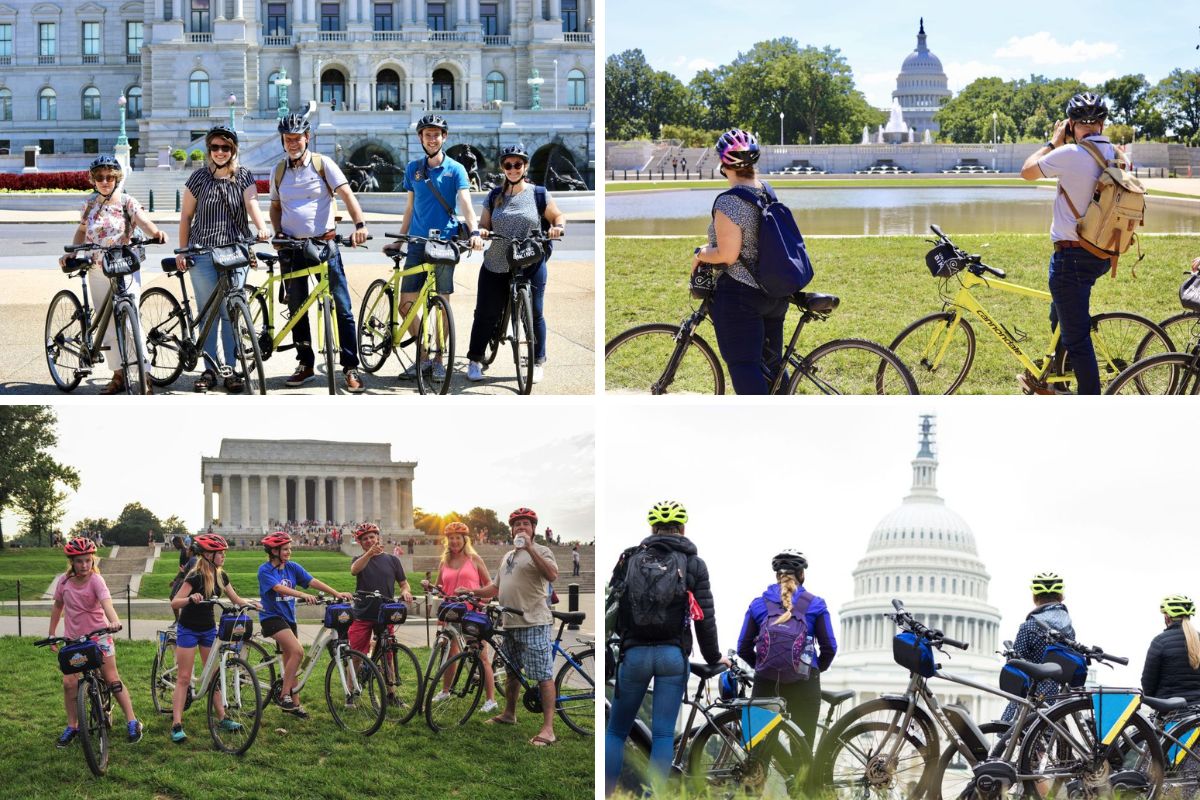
pixel 1046 583
pixel 1178 605
pixel 668 512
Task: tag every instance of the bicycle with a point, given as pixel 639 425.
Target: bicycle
pixel 175 337
pixel 74 330
pixel 93 699
pixel 666 357
pixel 516 321
pixel 449 633
pixel 382 329
pixel 235 702
pixel 1167 373
pixel 354 687
pixel 262 301
pixel 940 347
pixel 401 671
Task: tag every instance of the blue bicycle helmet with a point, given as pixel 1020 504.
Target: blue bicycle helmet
pixel 729 686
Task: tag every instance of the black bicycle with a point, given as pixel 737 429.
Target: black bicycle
pixel 1166 373
pixel 516 323
pixel 663 358
pixel 401 670
pixel 74 329
pixel 93 701
pixel 175 337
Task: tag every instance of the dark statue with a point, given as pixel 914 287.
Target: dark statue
pixel 362 179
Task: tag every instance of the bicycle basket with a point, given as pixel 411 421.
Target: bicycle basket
pixel 393 613
pixel 315 252
pixel 338 617
pixel 476 624
pixel 1189 293
pixel 1074 666
pixel 120 262
pixel 367 607
pixel 451 612
pixel 441 254
pixel 525 253
pixel 914 654
pixel 1013 681
pixel 79 657
pixel 235 628
pixel 943 261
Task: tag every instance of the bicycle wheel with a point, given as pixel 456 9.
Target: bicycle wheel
pixel 447 707
pixel 720 762
pixel 93 725
pixel 259 321
pixel 262 663
pixel 1063 755
pixel 851 366
pixel 855 760
pixel 1182 778
pixel 130 350
pixel 237 695
pixel 575 690
pixel 1183 329
pixel 1165 373
pixel 493 345
pixel 65 340
pixel 499 673
pixel 376 324
pixel 163 321
pixel 162 677
pixel 435 343
pixel 1120 339
pixel 245 345
pixel 402 680
pixel 949 783
pixel 354 692
pixel 649 358
pixel 938 353
pixel 330 349
pixel 523 341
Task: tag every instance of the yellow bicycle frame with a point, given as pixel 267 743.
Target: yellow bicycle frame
pixel 320 291
pixel 429 287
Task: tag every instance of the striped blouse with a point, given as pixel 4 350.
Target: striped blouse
pixel 220 215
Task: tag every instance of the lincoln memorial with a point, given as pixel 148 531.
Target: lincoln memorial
pixel 256 481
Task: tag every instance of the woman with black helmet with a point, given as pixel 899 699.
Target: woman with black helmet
pixel 787 637
pixel 749 324
pixel 218 203
pixel 108 218
pixel 515 209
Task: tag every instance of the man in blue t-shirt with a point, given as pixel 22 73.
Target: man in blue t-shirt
pixel 434 172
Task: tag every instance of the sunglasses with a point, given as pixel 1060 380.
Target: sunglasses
pixel 220 148
pixel 105 178
pixel 513 164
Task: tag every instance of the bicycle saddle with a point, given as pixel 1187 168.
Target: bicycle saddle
pixel 270 259
pixel 1165 705
pixel 817 303
pixel 705 671
pixel 570 617
pixel 1039 672
pixel 833 698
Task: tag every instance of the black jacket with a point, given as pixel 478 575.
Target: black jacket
pixel 1167 672
pixel 698 585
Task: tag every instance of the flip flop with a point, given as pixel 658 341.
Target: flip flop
pixel 540 741
pixel 498 720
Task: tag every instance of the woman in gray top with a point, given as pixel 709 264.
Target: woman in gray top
pixel 749 324
pixel 511 210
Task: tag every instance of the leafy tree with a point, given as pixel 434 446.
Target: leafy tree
pixel 639 100
pixel 26 432
pixel 1179 98
pixel 172 526
pixel 131 526
pixel 1025 109
pixel 90 525
pixel 1124 95
pixel 691 137
pixel 40 499
pixel 710 89
pixel 486 519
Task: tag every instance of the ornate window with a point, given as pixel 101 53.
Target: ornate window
pixel 91 103
pixel 495 87
pixel 198 89
pixel 47 105
pixel 576 88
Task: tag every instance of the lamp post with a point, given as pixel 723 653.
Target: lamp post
pixel 781 128
pixel 535 82
pixel 283 82
pixel 994 115
pixel 556 84
pixel 122 139
pixel 232 121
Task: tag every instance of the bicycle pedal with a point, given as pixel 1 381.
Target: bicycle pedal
pixel 366 350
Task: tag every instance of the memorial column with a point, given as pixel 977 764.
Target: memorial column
pixel 264 512
pixel 376 485
pixel 208 493
pixel 359 511
pixel 340 494
pixel 322 512
pixel 245 500
pixel 301 499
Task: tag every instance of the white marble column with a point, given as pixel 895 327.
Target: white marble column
pixel 422 13
pixel 462 12
pixel 240 9
pixel 396 491
pixel 208 508
pixel 220 4
pixel 406 503
pixel 555 9
pixel 264 492
pixel 281 502
pixel 322 513
pixel 175 9
pixel 376 505
pixel 310 10
pixel 301 499
pixel 360 511
pixel 245 500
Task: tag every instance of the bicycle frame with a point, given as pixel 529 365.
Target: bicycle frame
pixel 96 320
pixel 208 314
pixel 320 293
pixel 428 288
pixel 312 654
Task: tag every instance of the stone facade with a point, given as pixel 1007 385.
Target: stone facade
pixel 921 88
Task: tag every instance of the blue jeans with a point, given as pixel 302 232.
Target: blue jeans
pixel 489 305
pixel 1073 272
pixel 667 666
pixel 749 328
pixel 204 283
pixel 297 294
pixel 411 284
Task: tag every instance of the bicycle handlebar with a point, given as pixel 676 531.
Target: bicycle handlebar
pixel 1097 653
pixel 974 262
pixel 907 621
pixel 194 249
pixel 228 608
pixel 50 640
pixel 79 248
pixel 290 243
pixel 534 237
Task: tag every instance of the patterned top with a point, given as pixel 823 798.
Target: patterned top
pixel 747 217
pixel 1031 642
pixel 220 215
pixel 105 221
pixel 514 215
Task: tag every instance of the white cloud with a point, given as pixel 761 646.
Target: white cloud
pixel 877 87
pixel 1096 77
pixel 960 74
pixel 1042 48
pixel 697 64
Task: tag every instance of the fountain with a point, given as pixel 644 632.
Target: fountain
pixel 866 135
pixel 896 130
pixel 928 137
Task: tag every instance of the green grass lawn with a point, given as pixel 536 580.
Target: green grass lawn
pixel 34 567
pixel 242 566
pixel 311 758
pixel 884 285
pixel 934 182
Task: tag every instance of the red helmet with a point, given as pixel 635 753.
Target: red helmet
pixel 210 542
pixel 526 513
pixel 364 529
pixel 276 539
pixel 79 546
pixel 455 527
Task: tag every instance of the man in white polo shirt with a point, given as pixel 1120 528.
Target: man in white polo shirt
pixel 302 207
pixel 1073 270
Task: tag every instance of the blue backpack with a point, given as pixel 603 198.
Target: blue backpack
pixel 783 267
pixel 539 200
pixel 780 650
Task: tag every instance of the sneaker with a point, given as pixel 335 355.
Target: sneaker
pixel 134 728
pixel 410 374
pixel 538 373
pixel 177 734
pixel 474 371
pixel 354 384
pixel 440 696
pixel 67 737
pixel 439 371
pixel 229 725
pixel 301 376
pixel 488 706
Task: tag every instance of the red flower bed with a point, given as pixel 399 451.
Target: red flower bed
pixel 44 180
pixel 263 185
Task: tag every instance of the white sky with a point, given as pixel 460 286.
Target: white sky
pixel 1100 492
pixel 492 455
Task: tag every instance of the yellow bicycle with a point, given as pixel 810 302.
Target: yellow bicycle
pixel 939 348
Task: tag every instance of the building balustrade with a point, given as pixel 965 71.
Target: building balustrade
pixel 277 41
pixel 200 38
pixel 499 41
pixel 579 38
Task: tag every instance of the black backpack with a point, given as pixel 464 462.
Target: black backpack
pixel 653 604
pixel 539 200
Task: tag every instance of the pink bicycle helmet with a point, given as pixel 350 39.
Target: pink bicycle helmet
pixel 737 148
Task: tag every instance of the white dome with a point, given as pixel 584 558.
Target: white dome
pixel 922 523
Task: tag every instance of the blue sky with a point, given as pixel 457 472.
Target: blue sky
pixel 1010 39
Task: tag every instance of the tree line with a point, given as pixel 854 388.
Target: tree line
pixel 32 481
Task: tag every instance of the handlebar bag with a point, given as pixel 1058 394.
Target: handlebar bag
pixel 442 254
pixel 1013 681
pixel 452 612
pixel 79 657
pixel 524 253
pixel 235 628
pixel 476 624
pixel 1189 293
pixel 338 617
pixel 230 256
pixel 393 613
pixel 367 607
pixel 914 654
pixel 943 261
pixel 1074 666
pixel 120 262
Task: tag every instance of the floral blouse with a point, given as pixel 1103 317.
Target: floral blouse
pixel 105 221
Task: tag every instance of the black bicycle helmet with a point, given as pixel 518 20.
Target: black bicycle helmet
pixel 104 162
pixel 293 123
pixel 433 121
pixel 1087 107
pixel 789 561
pixel 224 131
pixel 515 150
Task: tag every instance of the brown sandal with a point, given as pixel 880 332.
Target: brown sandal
pixel 116 385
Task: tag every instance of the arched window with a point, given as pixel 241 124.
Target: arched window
pixel 198 90
pixel 495 87
pixel 133 107
pixel 47 104
pixel 576 88
pixel 272 91
pixel 443 90
pixel 387 90
pixel 333 88
pixel 91 103
pixel 5 104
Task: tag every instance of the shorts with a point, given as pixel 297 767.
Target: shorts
pixel 411 284
pixel 529 649
pixel 107 647
pixel 186 637
pixel 361 631
pixel 273 625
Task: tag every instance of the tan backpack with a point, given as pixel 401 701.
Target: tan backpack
pixel 318 163
pixel 1118 206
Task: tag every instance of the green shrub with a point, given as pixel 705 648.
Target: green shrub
pixel 197 155
pixel 178 155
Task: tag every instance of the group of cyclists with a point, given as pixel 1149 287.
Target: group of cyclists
pixel 787 638
pixel 220 207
